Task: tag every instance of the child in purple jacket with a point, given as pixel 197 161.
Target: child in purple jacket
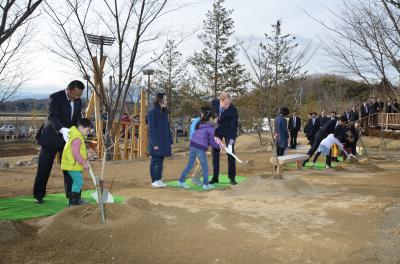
pixel 202 138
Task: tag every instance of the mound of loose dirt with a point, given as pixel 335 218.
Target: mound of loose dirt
pixel 287 187
pixel 136 232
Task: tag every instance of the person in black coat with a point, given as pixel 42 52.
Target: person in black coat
pixel 347 114
pixel 380 105
pixel 294 128
pixel 227 129
pixel 354 116
pixel 64 111
pixel 364 109
pixel 373 106
pixel 355 130
pixel 323 119
pixel 160 139
pixel 313 127
pixel 306 127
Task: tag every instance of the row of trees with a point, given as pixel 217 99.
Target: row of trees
pixel 365 42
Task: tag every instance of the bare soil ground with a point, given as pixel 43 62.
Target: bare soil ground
pixel 350 214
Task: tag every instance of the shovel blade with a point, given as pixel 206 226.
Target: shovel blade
pixel 107 197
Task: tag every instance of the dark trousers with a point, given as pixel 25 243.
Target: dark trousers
pixel 280 151
pixel 328 158
pixel 317 140
pixel 293 138
pixel 354 148
pixel 231 163
pixel 156 168
pixel 46 160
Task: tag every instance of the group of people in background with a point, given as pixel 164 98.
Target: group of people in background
pixel 328 135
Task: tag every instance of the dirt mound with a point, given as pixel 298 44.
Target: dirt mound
pixel 11 231
pixel 133 233
pixel 247 142
pixel 260 185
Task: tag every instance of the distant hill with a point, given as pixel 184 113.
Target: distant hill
pixel 24 105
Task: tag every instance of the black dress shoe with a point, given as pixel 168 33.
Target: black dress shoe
pixel 233 182
pixel 38 200
pixel 213 181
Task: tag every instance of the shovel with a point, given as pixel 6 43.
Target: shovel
pixel 106 196
pixel 350 157
pixel 244 162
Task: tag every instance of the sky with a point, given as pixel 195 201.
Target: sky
pixel 252 19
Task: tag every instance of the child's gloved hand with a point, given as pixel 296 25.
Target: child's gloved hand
pixel 86 166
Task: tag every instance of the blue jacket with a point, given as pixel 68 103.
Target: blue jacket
pixel 282 130
pixel 159 133
pixel 228 121
pixel 204 137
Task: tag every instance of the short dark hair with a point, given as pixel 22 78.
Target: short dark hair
pixel 159 98
pixel 204 109
pixel 76 84
pixel 284 111
pixel 85 122
pixel 343 119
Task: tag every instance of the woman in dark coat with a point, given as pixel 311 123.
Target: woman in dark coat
pixel 160 139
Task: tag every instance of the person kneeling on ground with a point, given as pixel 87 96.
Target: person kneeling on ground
pixel 325 148
pixel 202 138
pixel 74 158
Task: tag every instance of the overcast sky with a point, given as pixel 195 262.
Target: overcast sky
pixel 252 19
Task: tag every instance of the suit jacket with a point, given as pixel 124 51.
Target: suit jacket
pixel 281 131
pixel 313 128
pixel 298 124
pixel 354 116
pixel 227 122
pixel 373 108
pixel 347 115
pixel 58 116
pixel 323 120
pixel 363 111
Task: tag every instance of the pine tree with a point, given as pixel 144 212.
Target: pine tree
pixel 217 64
pixel 170 75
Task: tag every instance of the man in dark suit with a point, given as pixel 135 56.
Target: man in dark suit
pixel 227 129
pixel 294 128
pixel 323 119
pixel 347 114
pixel 313 127
pixel 64 111
pixel 354 116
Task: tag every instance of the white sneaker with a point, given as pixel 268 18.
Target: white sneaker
pixel 208 187
pixel 156 184
pixel 162 183
pixel 183 185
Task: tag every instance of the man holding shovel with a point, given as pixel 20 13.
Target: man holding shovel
pixel 227 129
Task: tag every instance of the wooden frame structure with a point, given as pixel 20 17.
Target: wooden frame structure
pixel 132 149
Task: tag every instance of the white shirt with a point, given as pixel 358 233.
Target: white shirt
pixel 71 103
pixel 330 140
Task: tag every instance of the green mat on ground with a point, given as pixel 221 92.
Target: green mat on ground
pixel 317 165
pixel 223 183
pixel 23 207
